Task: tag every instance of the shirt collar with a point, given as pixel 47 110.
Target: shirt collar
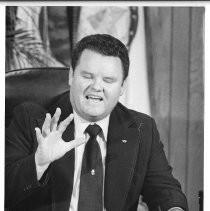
pixel 81 124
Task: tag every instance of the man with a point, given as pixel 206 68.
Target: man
pixel 48 165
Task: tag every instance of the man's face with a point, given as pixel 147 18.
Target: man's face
pixel 96 85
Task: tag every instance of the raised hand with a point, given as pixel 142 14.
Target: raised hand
pixel 51 146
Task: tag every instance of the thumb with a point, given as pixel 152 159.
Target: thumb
pixel 38 135
pixel 74 143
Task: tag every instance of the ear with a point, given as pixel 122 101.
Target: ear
pixel 70 76
pixel 123 87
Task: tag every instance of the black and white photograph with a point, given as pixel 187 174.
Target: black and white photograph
pixel 104 107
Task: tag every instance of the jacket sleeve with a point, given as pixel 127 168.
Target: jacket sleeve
pixel 20 147
pixel 161 191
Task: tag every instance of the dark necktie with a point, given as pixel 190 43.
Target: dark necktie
pixel 91 179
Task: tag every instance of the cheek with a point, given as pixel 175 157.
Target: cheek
pixel 113 93
pixel 78 88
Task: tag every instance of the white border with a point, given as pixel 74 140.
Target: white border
pixel 111 3
pixel 207 111
pixel 2 104
pixel 106 3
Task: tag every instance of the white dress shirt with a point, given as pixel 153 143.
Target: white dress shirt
pixel 80 126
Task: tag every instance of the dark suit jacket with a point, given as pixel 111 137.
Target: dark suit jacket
pixel 136 167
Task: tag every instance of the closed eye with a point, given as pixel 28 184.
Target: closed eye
pixel 87 75
pixel 109 80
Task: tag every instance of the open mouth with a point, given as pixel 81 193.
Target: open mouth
pixel 93 97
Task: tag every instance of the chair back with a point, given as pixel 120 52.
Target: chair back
pixel 39 85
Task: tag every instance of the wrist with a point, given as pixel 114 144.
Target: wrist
pixel 40 159
pixel 40 166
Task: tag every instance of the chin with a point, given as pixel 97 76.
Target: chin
pixel 94 112
pixel 95 117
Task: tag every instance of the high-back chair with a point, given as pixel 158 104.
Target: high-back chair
pixel 39 85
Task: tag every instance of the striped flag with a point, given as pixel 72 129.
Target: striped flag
pixel 136 95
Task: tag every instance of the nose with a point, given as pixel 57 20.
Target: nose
pixel 97 85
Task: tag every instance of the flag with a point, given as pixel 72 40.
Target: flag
pixel 136 95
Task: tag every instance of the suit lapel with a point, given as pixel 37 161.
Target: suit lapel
pixel 122 148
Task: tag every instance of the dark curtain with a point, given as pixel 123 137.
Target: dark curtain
pixel 174 37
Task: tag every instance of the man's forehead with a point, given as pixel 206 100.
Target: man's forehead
pixel 87 51
pixel 89 56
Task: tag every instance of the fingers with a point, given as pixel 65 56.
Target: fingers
pixel 39 135
pixel 63 125
pixel 51 124
pixel 54 121
pixel 74 143
pixel 46 125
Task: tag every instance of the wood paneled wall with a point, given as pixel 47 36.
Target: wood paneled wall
pixel 174 38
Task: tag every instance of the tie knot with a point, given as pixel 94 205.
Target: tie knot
pixel 93 130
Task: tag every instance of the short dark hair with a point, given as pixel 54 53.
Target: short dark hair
pixel 104 44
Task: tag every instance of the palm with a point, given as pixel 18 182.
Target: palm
pixel 50 143
pixel 53 147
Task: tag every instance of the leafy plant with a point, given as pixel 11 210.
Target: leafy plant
pixel 22 47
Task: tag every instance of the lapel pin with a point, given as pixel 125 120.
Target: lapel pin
pixel 92 172
pixel 124 141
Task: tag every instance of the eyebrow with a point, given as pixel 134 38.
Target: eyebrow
pixel 86 72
